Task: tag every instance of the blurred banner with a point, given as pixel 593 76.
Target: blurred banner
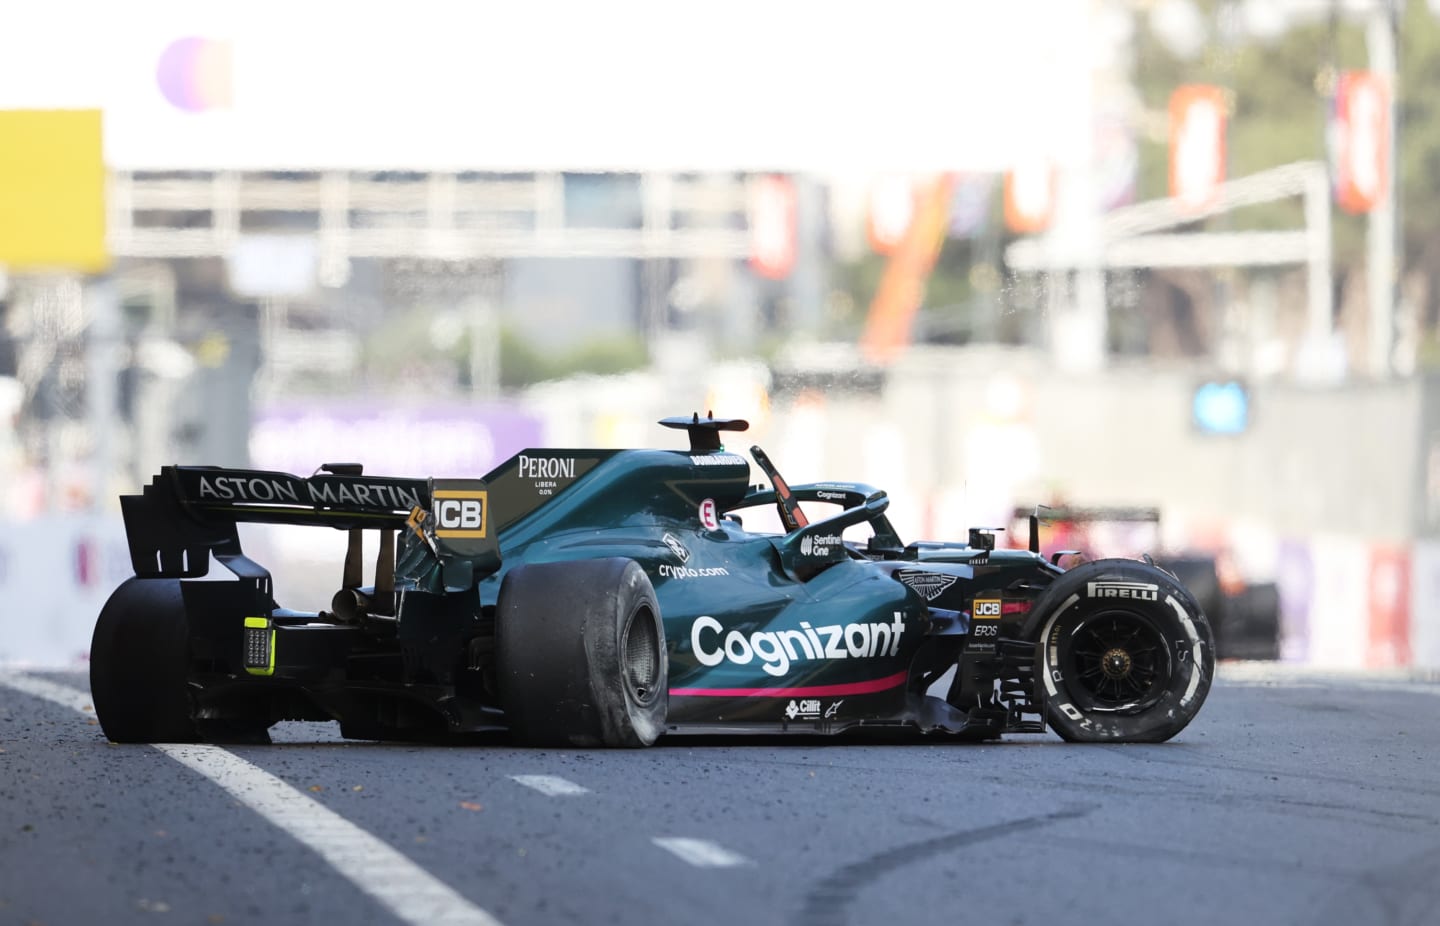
pixel 902 286
pixel 1390 610
pixel 1197 144
pixel 441 439
pixel 892 201
pixel 889 210
pixel 1117 160
pixel 1295 577
pixel 1030 195
pixel 551 85
pixel 1425 604
pixel 772 226
pixel 1346 603
pixel 1338 625
pixel 1361 140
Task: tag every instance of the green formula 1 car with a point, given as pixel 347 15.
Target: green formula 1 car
pixel 609 597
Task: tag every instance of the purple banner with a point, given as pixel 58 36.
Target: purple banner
pixel 442 439
pixel 1295 581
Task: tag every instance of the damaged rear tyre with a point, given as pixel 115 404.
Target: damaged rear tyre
pixel 580 654
pixel 1124 653
pixel 138 662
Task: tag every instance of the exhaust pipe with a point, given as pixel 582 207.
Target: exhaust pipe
pixel 350 605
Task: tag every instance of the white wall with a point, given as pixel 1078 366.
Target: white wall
pixel 55 574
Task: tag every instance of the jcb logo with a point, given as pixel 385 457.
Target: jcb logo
pixel 987 609
pixel 465 514
pixel 459 513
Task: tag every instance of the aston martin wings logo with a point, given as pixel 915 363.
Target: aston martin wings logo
pixel 928 585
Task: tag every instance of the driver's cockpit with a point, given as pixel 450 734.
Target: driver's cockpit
pixel 806 545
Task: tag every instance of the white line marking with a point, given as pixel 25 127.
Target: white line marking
pixel 550 785
pixel 404 888
pixel 63 695
pixel 701 852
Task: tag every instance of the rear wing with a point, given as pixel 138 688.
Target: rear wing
pixel 188 514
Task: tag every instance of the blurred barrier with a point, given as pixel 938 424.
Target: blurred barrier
pixel 55 574
pixel 1343 602
pixel 1389 606
pixel 1338 625
pixel 1424 594
pixel 1347 603
pixel 1295 578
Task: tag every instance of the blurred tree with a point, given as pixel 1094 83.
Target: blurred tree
pixel 1281 87
pixel 952 298
pixel 1419 161
pixel 1279 84
pixel 521 364
pixel 1278 89
pixel 430 351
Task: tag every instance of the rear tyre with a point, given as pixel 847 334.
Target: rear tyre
pixel 580 654
pixel 138 662
pixel 1124 654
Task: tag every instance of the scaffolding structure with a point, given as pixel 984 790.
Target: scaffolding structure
pixel 428 215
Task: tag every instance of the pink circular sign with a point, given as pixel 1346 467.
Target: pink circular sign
pixel 194 74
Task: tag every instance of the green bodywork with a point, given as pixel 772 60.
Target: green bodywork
pixel 753 621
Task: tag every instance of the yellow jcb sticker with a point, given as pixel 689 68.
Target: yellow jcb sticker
pixel 986 609
pixel 461 513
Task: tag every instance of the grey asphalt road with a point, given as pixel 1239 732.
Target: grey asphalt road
pixel 1289 800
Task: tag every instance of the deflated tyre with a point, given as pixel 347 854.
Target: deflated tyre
pixel 580 654
pixel 1124 653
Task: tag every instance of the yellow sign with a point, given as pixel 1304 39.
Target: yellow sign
pixel 52 190
pixel 460 513
pixel 986 609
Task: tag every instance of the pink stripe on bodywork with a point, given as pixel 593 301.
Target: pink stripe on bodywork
pixel 815 691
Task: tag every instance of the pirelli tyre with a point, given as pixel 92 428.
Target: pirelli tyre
pixel 138 663
pixel 580 654
pixel 1124 653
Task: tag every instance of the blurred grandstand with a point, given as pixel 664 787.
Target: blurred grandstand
pixel 983 255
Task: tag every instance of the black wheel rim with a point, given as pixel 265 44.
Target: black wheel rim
pixel 1119 662
pixel 641 649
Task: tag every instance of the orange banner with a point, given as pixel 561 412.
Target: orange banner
pixel 1197 145
pixel 1362 141
pixel 1030 197
pixel 902 287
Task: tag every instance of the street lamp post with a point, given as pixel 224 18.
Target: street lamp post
pixel 1384 220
